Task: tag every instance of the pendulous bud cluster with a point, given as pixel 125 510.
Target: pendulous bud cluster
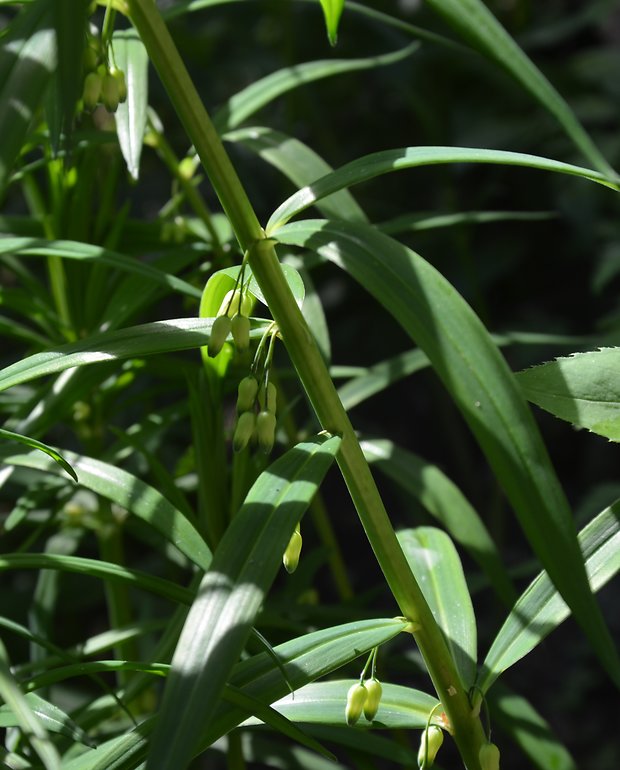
pixel 363 697
pixel 102 85
pixel 232 318
pixel 251 397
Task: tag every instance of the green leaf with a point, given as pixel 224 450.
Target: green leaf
pixel 139 498
pixel 437 567
pixel 32 727
pixel 147 339
pixel 540 608
pixel 332 10
pixel 298 163
pixel 401 708
pixel 131 57
pixel 97 569
pixel 260 93
pixel 471 367
pixel 231 593
pixel 476 23
pixel 32 442
pixel 304 659
pixel 582 388
pixel 27 61
pixel 50 716
pixel 418 222
pixel 223 281
pixel 444 500
pixel 32 247
pixel 516 717
pixel 377 163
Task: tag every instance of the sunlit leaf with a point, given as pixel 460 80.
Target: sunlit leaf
pixel 131 57
pixel 583 389
pixel 48 450
pixel 332 10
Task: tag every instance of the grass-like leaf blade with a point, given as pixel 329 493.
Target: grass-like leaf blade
pixel 477 24
pixel 582 388
pixel 231 592
pixel 51 717
pixel 377 163
pixel 437 567
pixel 540 608
pixel 9 435
pixel 332 11
pixel 133 494
pixel 471 367
pixel 132 59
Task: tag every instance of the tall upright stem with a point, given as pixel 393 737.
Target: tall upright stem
pixel 313 374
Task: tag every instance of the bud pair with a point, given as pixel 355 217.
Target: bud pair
pixel 430 743
pixel 356 698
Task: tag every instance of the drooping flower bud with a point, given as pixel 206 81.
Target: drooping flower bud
pixel 356 697
pixel 374 689
pixel 290 559
pixel 230 303
pixel 90 58
pixel 267 397
pixel 266 430
pixel 119 76
pixel 241 332
pixel 246 393
pixel 489 757
pixel 219 331
pixel 430 743
pixel 110 94
pixel 244 430
pixel 92 90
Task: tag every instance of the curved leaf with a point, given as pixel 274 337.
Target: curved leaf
pixel 50 716
pixel 437 567
pixel 128 491
pixel 332 10
pixel 48 450
pixel 231 593
pixel 540 608
pixel 476 22
pixel 471 367
pixel 323 703
pixel 444 500
pixel 582 389
pixel 131 57
pixel 260 93
pixel 377 163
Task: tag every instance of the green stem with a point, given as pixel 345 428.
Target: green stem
pixel 311 369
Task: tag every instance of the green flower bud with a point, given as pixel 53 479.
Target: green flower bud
pixel 119 76
pixel 110 93
pixel 267 399
pixel 241 332
pixel 244 430
pixel 187 168
pixel 266 430
pixel 374 689
pixel 92 90
pixel 219 331
pixel 246 393
pixel 90 58
pixel 290 559
pixel 231 303
pixel 430 743
pixel 356 697
pixel 489 757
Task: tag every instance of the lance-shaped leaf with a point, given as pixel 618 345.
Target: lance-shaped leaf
pixel 477 377
pixel 332 10
pixel 304 659
pixel 50 716
pixel 540 608
pixel 260 93
pixel 437 567
pixel 443 499
pixel 323 703
pixel 377 163
pixel 32 442
pixel 131 57
pixel 128 491
pixel 135 341
pixel 231 593
pixel 477 24
pixel 583 389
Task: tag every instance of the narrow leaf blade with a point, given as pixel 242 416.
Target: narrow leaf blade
pixel 131 57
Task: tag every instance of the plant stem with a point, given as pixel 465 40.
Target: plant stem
pixel 311 369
